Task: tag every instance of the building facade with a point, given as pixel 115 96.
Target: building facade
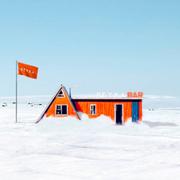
pixel 119 110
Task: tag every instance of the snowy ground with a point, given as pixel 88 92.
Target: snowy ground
pixel 87 149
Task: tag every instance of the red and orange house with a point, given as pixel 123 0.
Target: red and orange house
pixel 119 110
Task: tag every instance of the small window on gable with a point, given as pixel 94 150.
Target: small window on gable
pixel 60 94
pixel 93 109
pixel 61 110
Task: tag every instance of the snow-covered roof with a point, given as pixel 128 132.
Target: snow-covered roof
pixel 100 97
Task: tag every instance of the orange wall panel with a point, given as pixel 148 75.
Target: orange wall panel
pixel 52 110
pixel 105 108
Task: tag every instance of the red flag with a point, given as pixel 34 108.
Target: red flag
pixel 27 70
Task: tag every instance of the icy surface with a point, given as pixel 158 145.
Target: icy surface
pixel 89 149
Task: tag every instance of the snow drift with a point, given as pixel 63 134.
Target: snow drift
pixel 89 149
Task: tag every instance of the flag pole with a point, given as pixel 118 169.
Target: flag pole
pixel 16 93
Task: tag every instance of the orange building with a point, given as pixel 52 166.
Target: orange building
pixel 119 110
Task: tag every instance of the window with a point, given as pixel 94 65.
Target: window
pixel 60 94
pixel 61 109
pixel 93 109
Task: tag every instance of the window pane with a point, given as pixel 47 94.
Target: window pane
pixel 58 107
pixel 61 109
pixel 93 109
pixel 64 109
pixel 58 110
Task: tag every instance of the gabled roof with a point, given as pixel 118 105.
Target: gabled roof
pixel 62 88
pixel 69 98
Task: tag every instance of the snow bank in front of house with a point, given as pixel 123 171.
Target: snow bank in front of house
pixel 89 149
